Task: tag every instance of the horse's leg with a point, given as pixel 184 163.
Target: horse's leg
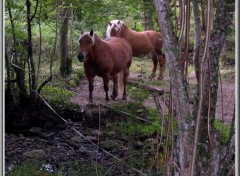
pixel 90 87
pixel 162 65
pixel 115 87
pixel 106 85
pixel 125 80
pixel 155 62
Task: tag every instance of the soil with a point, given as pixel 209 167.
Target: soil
pixel 225 103
pixel 57 142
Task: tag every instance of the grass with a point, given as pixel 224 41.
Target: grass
pixel 223 129
pixel 30 168
pixel 141 65
pixel 138 94
pixel 73 168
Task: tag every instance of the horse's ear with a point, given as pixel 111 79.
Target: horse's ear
pixel 91 32
pixel 118 22
pixel 81 32
pixel 110 24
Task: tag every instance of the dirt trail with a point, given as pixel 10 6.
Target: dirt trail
pixel 225 103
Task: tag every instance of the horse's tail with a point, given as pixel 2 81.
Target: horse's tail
pixel 120 83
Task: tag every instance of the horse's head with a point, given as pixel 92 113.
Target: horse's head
pixel 86 42
pixel 114 28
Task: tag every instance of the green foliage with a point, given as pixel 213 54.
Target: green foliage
pixel 137 93
pixel 141 66
pixel 30 168
pixel 57 95
pixel 135 128
pixel 223 129
pixel 73 168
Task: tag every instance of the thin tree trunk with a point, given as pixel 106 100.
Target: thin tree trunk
pixel 19 73
pixel 203 16
pixel 8 93
pixel 147 13
pixel 201 92
pixel 179 92
pixel 40 42
pixel 32 72
pixel 65 64
pixel 197 37
pixel 51 61
pixel 223 19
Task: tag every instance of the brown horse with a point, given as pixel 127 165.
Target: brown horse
pixel 109 59
pixel 142 43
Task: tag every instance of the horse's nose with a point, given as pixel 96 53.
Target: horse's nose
pixel 80 57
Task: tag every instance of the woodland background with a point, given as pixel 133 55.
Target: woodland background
pixel 184 136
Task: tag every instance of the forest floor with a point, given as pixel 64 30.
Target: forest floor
pixel 59 150
pixel 225 99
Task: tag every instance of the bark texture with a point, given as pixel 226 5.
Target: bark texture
pixel 147 14
pixel 209 162
pixel 179 91
pixel 197 36
pixel 32 72
pixel 65 63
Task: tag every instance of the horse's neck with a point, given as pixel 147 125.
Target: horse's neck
pixel 127 33
pixel 98 43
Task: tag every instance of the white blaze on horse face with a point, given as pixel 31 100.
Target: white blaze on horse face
pixel 88 34
pixel 84 47
pixel 114 28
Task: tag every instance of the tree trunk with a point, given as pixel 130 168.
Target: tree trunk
pixel 20 75
pixel 8 93
pixel 32 72
pixel 203 16
pixel 147 13
pixel 65 63
pixel 197 37
pixel 179 92
pixel 210 154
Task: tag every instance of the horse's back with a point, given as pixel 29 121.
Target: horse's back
pixel 121 52
pixel 145 42
pixel 119 45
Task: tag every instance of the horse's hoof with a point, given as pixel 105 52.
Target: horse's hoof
pixel 124 97
pixel 160 78
pixel 113 97
pixel 150 77
pixel 90 103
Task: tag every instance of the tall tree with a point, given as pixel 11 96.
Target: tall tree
pixel 147 14
pixel 197 36
pixel 221 27
pixel 20 73
pixel 32 72
pixel 179 92
pixel 211 154
pixel 65 63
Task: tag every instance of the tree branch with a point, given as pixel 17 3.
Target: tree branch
pixel 35 11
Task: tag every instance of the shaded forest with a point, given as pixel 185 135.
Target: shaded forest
pixel 181 125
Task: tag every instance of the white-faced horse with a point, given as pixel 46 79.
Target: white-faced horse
pixel 142 43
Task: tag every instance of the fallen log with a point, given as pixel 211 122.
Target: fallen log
pixel 147 87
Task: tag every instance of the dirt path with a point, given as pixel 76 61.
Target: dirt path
pixel 225 103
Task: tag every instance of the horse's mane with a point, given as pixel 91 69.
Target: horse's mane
pixel 120 26
pixel 87 34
